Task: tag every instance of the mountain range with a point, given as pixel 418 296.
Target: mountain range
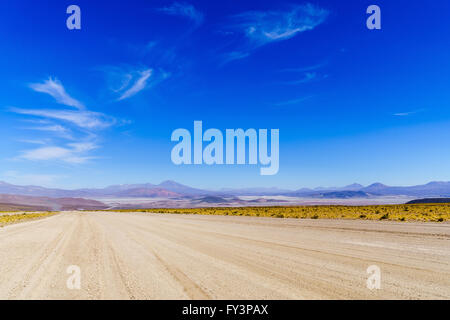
pixel 172 189
pixel 10 202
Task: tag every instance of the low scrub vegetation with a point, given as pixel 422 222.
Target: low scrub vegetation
pixel 6 218
pixel 404 212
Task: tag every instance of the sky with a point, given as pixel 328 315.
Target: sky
pixel 97 106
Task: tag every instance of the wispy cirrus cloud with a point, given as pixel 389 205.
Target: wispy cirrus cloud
pixel 408 113
pixel 139 85
pixel 307 73
pixel 78 127
pixel 125 82
pixel 54 88
pixel 83 119
pixel 306 78
pixel 31 141
pixel 129 82
pixel 259 28
pixel 234 55
pixel 186 10
pixel 73 153
pixel 56 128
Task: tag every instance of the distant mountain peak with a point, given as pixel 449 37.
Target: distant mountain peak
pixel 170 183
pixel 377 185
pixel 437 183
pixel 354 185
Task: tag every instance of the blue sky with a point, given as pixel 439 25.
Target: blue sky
pixel 97 106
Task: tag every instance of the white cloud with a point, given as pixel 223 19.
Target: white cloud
pixel 78 126
pixel 234 55
pixel 184 10
pixel 131 82
pixel 82 146
pixel 46 153
pixel 72 153
pixel 139 85
pixel 57 129
pixel 83 119
pixel 307 77
pixel 57 91
pixel 125 81
pixel 30 141
pixel 310 74
pixel 404 114
pixel 263 27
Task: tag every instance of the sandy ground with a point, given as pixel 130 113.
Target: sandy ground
pixel 152 256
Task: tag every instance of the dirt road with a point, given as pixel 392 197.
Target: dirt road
pixel 152 256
